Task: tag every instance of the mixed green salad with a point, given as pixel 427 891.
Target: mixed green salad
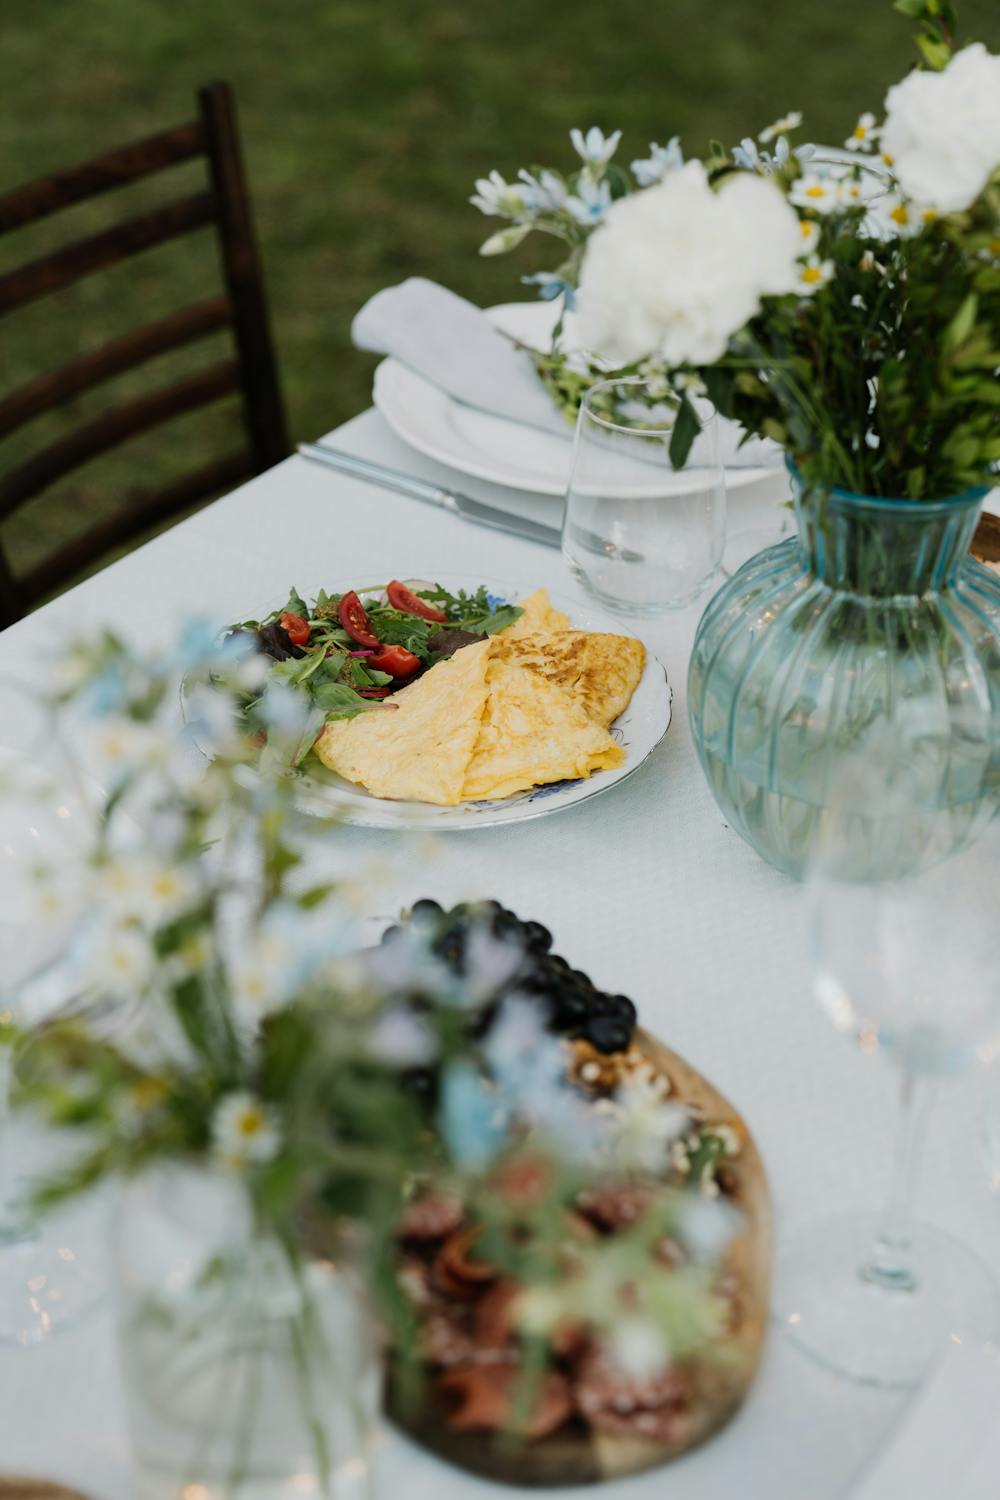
pixel 346 656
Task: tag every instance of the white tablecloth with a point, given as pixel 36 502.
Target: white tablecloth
pixel 645 888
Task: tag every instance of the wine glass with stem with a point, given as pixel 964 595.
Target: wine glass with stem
pixel 48 1275
pixel 907 965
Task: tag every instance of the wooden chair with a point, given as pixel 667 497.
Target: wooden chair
pixel 252 371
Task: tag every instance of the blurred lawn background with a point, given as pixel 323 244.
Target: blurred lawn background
pixel 364 124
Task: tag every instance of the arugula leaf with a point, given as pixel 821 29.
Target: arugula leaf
pixel 296 604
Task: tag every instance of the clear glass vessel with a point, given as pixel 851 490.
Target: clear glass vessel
pixel 249 1375
pixel 873 620
pixel 908 967
pixel 641 536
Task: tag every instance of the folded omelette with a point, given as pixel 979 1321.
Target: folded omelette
pixel 527 707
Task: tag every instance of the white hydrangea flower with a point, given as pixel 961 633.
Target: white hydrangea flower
pixel 244 1131
pixel 676 270
pixel 864 135
pixel 942 130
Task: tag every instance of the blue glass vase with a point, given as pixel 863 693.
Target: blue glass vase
pixel 873 626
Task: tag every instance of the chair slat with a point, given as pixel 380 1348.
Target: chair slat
pixel 52 272
pixel 36 200
pixel 144 510
pixel 113 427
pixel 124 353
pixel 262 404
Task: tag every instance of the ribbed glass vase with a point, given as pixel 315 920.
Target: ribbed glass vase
pixel 872 627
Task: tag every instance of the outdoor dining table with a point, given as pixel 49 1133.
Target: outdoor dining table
pixel 645 888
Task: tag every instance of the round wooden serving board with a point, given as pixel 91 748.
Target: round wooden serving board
pixel 575 1454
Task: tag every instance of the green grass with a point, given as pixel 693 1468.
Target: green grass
pixel 365 122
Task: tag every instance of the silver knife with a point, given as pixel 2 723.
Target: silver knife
pixel 434 494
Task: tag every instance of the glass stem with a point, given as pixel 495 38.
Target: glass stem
pixel 889 1264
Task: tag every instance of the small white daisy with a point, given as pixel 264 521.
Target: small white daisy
pixel 791 121
pixel 812 190
pixel 809 231
pixel 244 1130
pixel 904 218
pixel 864 135
pixel 815 274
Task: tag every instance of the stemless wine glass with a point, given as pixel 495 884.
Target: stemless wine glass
pixel 640 535
pixel 908 965
pixel 47 1275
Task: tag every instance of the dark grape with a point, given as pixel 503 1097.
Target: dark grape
pixel 608 1034
pixel 556 961
pixel 623 1008
pixel 537 936
pixel 426 913
pixel 505 924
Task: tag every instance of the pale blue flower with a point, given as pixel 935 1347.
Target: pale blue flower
pixel 202 644
pixel 546 192
pixel 496 197
pixel 749 156
pixel 106 693
pixel 550 286
pixel 595 148
pixel 528 1065
pixel 472 1120
pixel 660 161
pixel 590 202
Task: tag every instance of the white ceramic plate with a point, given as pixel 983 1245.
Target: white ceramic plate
pixel 638 730
pixel 487 447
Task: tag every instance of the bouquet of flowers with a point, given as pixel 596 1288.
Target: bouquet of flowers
pixel 255 1042
pixel 846 307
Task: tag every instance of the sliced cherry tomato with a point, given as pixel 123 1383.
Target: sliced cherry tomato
pixel 295 627
pixel 373 692
pixel 409 603
pixel 351 613
pixel 395 660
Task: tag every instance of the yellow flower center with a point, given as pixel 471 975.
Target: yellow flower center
pixel 250 1123
pixel 817 190
pixel 929 215
pixel 812 274
pixel 900 214
pixel 860 131
pixel 888 158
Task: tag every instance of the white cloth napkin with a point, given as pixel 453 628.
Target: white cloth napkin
pixel 452 343
pixel 947 1443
